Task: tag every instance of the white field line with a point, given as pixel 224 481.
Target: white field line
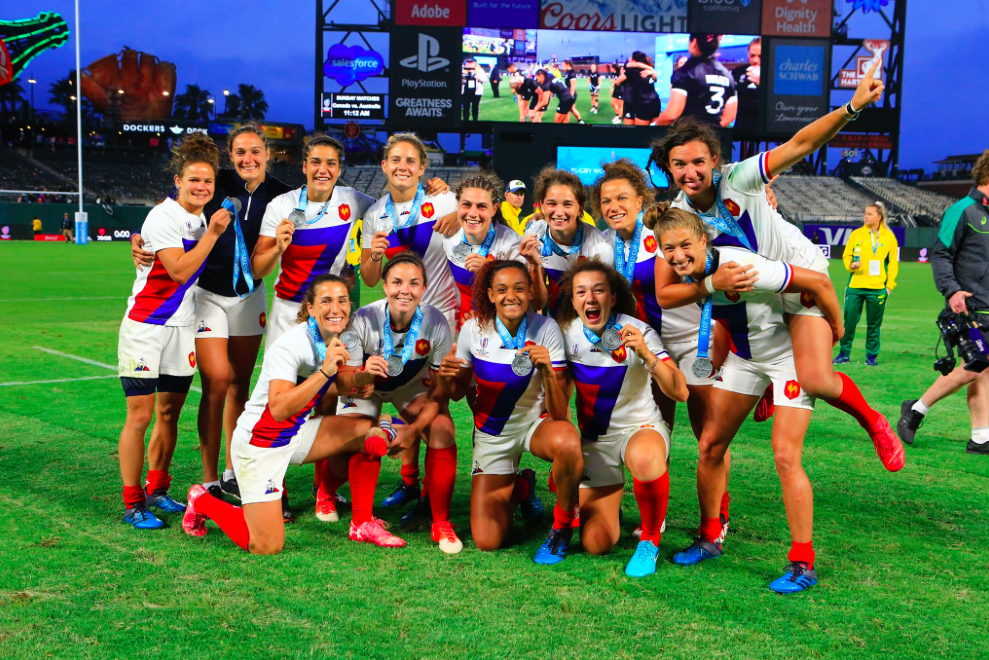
pixel 57 380
pixel 63 299
pixel 93 362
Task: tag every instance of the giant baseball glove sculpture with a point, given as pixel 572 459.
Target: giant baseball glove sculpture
pixel 143 78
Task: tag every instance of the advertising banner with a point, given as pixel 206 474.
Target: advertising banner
pixel 804 18
pixel 353 106
pixel 425 75
pixel 799 83
pixel 447 13
pixel 503 13
pixel 615 15
pixel 725 16
pixel 837 235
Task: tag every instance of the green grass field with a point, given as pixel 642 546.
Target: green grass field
pixel 505 108
pixel 901 557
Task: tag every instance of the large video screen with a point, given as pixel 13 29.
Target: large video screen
pixel 586 162
pixel 547 76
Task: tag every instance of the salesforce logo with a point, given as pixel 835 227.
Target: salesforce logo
pixel 350 64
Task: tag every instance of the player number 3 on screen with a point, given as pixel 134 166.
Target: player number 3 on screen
pixel 717 100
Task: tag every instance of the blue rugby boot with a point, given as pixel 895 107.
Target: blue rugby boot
pixel 161 500
pixel 643 562
pixel 419 516
pixel 698 551
pixel 798 576
pixel 402 495
pixel 139 517
pixel 554 548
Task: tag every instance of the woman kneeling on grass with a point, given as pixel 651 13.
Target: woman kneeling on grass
pixel 517 359
pixel 612 356
pixel 283 424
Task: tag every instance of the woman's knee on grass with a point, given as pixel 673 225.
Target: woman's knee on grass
pixel 597 537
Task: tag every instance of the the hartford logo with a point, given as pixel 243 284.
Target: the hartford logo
pixel 427 57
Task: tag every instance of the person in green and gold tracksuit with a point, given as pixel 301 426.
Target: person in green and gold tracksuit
pixel 871 258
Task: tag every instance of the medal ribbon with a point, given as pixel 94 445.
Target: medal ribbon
pixel 242 260
pixel 550 246
pixel 874 238
pixel 486 244
pixel 723 221
pixel 304 202
pixel 519 341
pixel 704 334
pixel 627 270
pixel 413 212
pixel 410 337
pixel 593 338
pixel 317 339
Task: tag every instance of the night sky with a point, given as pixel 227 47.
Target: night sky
pixel 219 44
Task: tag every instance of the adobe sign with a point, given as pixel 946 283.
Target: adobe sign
pixel 452 13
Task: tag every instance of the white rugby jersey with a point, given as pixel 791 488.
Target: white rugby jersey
pixel 419 237
pixel 595 244
pixel 155 297
pixel 754 320
pixel 507 404
pixel 318 248
pixel 673 325
pixel 743 190
pixel 613 388
pixel 432 343
pixel 504 246
pixel 292 357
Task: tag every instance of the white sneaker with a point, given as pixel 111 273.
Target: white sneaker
pixel 443 534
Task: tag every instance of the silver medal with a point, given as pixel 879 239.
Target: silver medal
pixel 702 367
pixel 395 366
pixel 386 226
pixel 461 251
pixel 350 339
pixel 297 218
pixel 537 228
pixel 611 339
pixel 522 365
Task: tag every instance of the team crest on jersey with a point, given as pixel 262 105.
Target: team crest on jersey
pixel 271 488
pixel 263 319
pixel 192 359
pixel 650 243
pixel 792 389
pixel 620 354
pixel 733 296
pixel 428 210
pixel 203 327
pixel 426 382
pixel 142 365
pixel 422 346
pixel 807 299
pixel 344 211
pixel 732 207
pixel 581 258
pixel 530 343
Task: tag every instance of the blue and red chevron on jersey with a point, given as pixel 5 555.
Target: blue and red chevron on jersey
pixel 735 319
pixel 644 290
pixel 268 432
pixel 498 390
pixel 415 238
pixel 598 389
pixel 745 223
pixel 161 296
pixel 311 253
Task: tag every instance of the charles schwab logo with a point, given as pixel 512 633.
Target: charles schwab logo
pixel 427 57
pixel 350 64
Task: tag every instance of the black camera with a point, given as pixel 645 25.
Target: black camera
pixel 960 333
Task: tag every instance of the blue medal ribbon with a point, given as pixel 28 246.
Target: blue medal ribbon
pixel 413 212
pixel 518 342
pixel 304 202
pixel 723 221
pixel 317 339
pixel 551 247
pixel 410 337
pixel 486 243
pixel 704 334
pixel 627 270
pixel 592 336
pixel 242 260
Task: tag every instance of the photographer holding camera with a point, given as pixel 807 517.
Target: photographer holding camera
pixel 960 261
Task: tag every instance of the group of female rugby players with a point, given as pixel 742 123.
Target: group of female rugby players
pixel 712 299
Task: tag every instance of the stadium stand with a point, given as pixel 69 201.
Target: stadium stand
pixel 910 199
pixel 819 199
pixel 17 172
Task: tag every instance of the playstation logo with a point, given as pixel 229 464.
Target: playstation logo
pixel 427 59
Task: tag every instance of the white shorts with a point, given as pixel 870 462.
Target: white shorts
pixel 684 354
pixel 283 317
pixel 261 470
pixel 230 316
pixel 400 398
pixel 500 454
pixel 802 304
pixel 604 458
pixel 752 377
pixel 145 350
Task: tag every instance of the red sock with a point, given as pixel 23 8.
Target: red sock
pixel 562 519
pixel 551 485
pixel 441 473
pixel 652 498
pixel 852 402
pixel 227 517
pixel 710 529
pixel 410 475
pixel 157 480
pixel 725 501
pixel 802 552
pixel 520 492
pixel 329 482
pixel 318 473
pixel 133 495
pixel 364 472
